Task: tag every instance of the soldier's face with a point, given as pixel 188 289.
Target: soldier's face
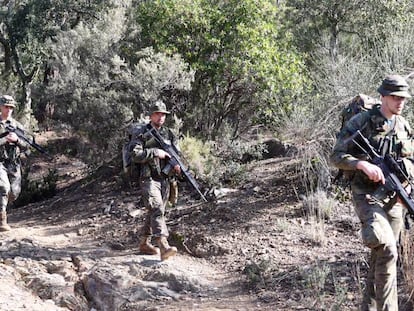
pixel 157 119
pixel 6 111
pixel 394 104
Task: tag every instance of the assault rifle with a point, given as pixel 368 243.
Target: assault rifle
pixel 23 136
pixel 173 160
pixel 392 171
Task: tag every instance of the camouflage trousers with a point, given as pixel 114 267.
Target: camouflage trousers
pixel 380 229
pixel 155 196
pixel 10 184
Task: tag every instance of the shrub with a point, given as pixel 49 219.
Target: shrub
pixel 200 158
pixel 218 163
pixel 37 190
pixel 318 205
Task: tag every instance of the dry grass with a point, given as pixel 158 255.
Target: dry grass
pixel 407 259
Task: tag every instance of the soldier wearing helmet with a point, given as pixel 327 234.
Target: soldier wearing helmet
pixel 10 149
pixel 381 220
pixel 155 186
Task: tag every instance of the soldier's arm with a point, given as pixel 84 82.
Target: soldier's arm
pixel 144 155
pixel 12 138
pixel 407 142
pixel 341 156
pixel 21 143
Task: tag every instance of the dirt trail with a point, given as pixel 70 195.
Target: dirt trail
pixel 252 248
pixel 57 242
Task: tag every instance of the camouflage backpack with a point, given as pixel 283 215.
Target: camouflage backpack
pixel 131 170
pixel 358 104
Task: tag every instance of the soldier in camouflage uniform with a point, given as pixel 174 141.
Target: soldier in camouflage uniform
pixel 381 221
pixel 10 148
pixel 155 186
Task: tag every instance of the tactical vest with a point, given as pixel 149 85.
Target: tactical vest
pixel 154 167
pixel 9 152
pixel 392 137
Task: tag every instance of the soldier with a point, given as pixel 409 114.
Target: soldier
pixel 155 186
pixel 381 221
pixel 10 149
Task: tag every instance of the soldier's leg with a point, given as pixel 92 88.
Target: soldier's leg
pixel 158 192
pixel 153 200
pixel 145 245
pixel 395 215
pixel 146 226
pixel 386 271
pixel 4 198
pixel 378 234
pixel 386 277
pixel 15 178
pixel 155 194
pixel 369 303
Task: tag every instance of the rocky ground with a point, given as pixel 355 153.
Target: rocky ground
pixel 254 247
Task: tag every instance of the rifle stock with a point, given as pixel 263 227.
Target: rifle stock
pixel 390 169
pixel 174 160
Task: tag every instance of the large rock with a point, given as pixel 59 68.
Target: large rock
pixel 276 148
pixel 139 280
pixel 53 286
pixel 15 296
pixel 109 287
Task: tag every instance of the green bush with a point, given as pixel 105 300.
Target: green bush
pixel 218 163
pixel 200 159
pixel 37 190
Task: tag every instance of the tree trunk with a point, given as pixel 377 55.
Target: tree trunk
pixel 334 42
pixel 26 112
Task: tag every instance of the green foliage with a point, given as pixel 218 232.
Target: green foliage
pixel 218 163
pixel 233 173
pixel 257 273
pixel 25 27
pixel 97 92
pixel 245 66
pixel 238 150
pixel 234 155
pixel 37 190
pixel 157 74
pixel 314 278
pixel 200 158
pixel 344 22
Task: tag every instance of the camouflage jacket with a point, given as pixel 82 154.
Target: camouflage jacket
pixel 145 152
pixel 378 130
pixel 10 152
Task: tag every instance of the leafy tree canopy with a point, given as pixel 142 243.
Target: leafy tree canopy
pixel 25 26
pixel 245 65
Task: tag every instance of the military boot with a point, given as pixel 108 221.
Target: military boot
pixel 166 250
pixel 3 222
pixel 146 248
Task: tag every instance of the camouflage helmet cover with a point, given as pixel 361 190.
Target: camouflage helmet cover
pixel 7 100
pixel 159 106
pixel 394 85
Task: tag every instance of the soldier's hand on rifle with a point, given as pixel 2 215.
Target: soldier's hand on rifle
pixel 177 169
pixel 162 154
pixel 373 171
pixel 12 137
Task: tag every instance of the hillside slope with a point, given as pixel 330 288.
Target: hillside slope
pixel 252 248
